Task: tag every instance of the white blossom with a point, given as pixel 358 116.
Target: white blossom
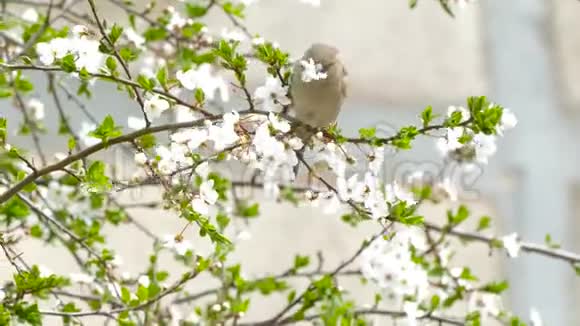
pixel 376 160
pixel 135 37
pixel 80 31
pixel 258 41
pixel 389 264
pixel 81 278
pixel 224 135
pixel 87 127
pixel 394 193
pixel 85 51
pixel 272 94
pixel 155 106
pixel 144 280
pixel 411 310
pixel 333 156
pixel 311 71
pixel 203 78
pixel 184 114
pixel 140 158
pixel 45 53
pixel 351 188
pixel 488 304
pixel 244 235
pixel 465 115
pixel 451 141
pixel 173 157
pixel 485 147
pixel 233 35
pixel 176 21
pixel 332 205
pixel 30 15
pixel 207 192
pixel 511 244
pixel 136 123
pixel 199 205
pixel 37 108
pixel 278 123
pixel 44 271
pixel 202 170
pixel 295 143
pixel 180 247
pixel 508 121
pixel 535 317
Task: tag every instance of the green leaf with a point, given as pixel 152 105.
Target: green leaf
pixel 473 318
pixel 236 10
pixel 5 92
pixel 115 216
pixel 162 77
pixel 36 231
pixel 515 321
pixel 23 85
pixel 106 130
pixel 30 282
pixel 147 83
pixel 484 223
pixel 300 262
pixel 550 243
pixel 155 34
pixel 195 11
pixel 367 133
pixel 28 313
pixel 68 64
pixel 71 143
pixel 3 127
pixel 467 275
pixel 128 54
pixel 404 137
pixel 412 220
pixel 427 115
pixel 496 287
pixel 435 301
pixel 125 295
pixel 115 34
pixel 147 141
pixel 111 64
pixel 96 179
pixel 199 95
pixel 13 209
pixel 445 5
pixel 250 211
pixel 461 215
pixel 223 221
pixel 412 4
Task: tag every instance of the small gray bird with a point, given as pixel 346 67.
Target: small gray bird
pixel 317 102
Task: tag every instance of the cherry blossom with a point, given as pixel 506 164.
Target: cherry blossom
pixel 37 108
pixel 311 71
pixel 179 246
pixel 155 106
pixel 272 94
pixel 511 244
pixel 203 78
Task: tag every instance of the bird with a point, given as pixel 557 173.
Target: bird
pixel 316 103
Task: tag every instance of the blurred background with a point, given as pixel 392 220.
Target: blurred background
pixel 523 54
